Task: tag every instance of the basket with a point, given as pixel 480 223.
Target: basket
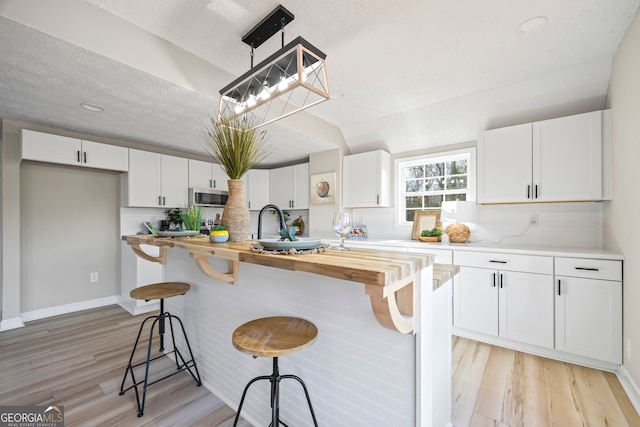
pixel 430 238
pixel 458 233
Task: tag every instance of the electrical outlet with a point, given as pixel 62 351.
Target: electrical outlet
pixel 93 277
pixel 533 219
pixel 627 348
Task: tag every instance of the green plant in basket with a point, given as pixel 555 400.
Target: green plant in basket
pixel 434 232
pixel 191 217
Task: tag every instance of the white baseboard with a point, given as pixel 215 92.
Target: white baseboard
pixel 12 323
pixel 629 386
pixel 68 308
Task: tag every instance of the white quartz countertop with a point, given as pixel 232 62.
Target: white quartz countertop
pixel 594 253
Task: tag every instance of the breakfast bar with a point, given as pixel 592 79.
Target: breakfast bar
pixel 379 329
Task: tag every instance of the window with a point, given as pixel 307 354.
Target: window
pixel 425 182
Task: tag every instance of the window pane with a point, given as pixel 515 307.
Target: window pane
pixel 457 167
pixel 433 201
pixel 435 184
pixel 410 214
pixel 434 169
pixel 413 202
pixel 414 172
pixel 414 185
pixel 456 182
pixel 453 197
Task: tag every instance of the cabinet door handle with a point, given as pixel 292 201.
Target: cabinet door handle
pixel 497 261
pixel 528 191
pixel 85 156
pixel 536 187
pixel 377 199
pixel 494 280
pixel 501 281
pixel 78 154
pixel 214 183
pixel 249 204
pixel 164 201
pixel 160 200
pixel 559 288
pixel 293 203
pixel 588 268
pixel 210 183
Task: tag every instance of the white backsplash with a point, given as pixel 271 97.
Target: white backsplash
pixel 559 224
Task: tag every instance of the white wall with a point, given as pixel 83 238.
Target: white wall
pixel 69 229
pixel 622 228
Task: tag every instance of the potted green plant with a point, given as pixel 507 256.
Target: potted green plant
pixel 191 217
pixel 433 235
pixel 237 147
pixel 219 234
pixel 174 216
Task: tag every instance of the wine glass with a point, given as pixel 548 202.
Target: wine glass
pixel 341 226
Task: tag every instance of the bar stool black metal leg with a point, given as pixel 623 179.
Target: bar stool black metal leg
pixel 306 393
pixel 161 326
pixel 185 364
pixel 244 394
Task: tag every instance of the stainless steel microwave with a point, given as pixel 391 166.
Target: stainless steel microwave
pixel 208 197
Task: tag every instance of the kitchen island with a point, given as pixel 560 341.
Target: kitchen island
pixel 373 361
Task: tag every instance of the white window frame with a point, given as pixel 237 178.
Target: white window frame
pixel 443 156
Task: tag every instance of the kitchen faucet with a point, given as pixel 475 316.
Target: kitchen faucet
pixel 275 208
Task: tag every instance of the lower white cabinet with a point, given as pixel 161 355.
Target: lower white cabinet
pixel 589 308
pixel 559 304
pixel 515 305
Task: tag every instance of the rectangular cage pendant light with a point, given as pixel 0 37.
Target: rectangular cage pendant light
pixel 292 79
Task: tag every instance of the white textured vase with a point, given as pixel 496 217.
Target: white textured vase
pixel 235 215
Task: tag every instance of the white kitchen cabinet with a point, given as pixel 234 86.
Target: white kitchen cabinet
pixel 508 296
pixel 50 148
pixel 157 180
pixel 289 187
pixel 547 161
pixel 256 188
pixel 207 175
pixel 589 308
pixel 366 180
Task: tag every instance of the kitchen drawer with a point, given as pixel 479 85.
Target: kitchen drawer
pixel 589 268
pixel 507 262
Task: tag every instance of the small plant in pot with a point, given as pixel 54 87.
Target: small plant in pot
pixel 219 234
pixel 433 235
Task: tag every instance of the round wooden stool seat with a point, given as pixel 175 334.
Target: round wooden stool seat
pixel 160 290
pixel 274 336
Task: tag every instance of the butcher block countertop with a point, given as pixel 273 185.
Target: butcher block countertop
pixel 384 273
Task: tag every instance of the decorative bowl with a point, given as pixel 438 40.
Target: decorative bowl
pixel 283 245
pixel 430 238
pixel 183 233
pixel 218 236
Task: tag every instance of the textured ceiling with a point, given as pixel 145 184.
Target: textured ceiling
pixel 412 74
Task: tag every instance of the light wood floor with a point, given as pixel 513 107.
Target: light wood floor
pixel 77 360
pixel 493 386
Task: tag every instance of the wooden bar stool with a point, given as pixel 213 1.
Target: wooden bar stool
pixel 275 337
pixel 159 291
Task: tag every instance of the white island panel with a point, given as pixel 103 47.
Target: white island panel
pixel 358 373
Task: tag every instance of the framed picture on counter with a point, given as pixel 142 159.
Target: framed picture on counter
pixel 323 189
pixel 425 220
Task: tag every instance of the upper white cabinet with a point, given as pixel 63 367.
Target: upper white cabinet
pixel 157 180
pixel 366 179
pixel 289 187
pixel 548 161
pixel 589 308
pixel 256 188
pixel 50 148
pixel 207 175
